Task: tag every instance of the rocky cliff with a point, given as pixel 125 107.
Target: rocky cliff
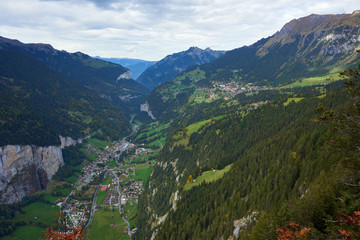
pixel 68 141
pixel 146 108
pixel 26 169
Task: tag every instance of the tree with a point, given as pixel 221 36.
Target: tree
pixel 76 234
pixel 346 124
pixel 293 232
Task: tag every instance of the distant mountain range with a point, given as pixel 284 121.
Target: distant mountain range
pixel 136 66
pixel 174 64
pixel 45 93
pixel 280 161
pixel 316 45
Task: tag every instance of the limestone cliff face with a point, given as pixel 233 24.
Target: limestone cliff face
pixel 125 75
pixel 68 141
pixel 146 108
pixel 26 169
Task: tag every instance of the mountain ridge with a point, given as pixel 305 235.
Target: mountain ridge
pixel 174 64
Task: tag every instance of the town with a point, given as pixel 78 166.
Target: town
pixel 108 183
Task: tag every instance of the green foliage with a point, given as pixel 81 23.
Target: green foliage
pixel 207 176
pixel 264 173
pixel 38 105
pixel 101 226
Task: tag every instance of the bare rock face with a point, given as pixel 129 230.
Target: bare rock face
pixel 125 75
pixel 68 141
pixel 26 169
pixel 146 108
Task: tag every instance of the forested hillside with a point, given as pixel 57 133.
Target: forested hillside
pixel 170 66
pixel 313 46
pixel 107 80
pixel 252 152
pixel 282 170
pixel 39 104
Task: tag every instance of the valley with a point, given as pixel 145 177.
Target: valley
pixel 260 142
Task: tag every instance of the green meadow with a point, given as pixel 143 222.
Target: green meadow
pixel 208 176
pixel 107 225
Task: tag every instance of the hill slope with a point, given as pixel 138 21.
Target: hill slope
pixel 167 68
pixel 307 47
pixel 232 113
pixel 39 104
pixel 108 80
pixel 136 66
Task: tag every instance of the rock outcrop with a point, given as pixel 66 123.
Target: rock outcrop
pixel 26 169
pixel 125 75
pixel 68 141
pixel 146 108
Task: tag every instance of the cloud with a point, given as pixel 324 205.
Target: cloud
pixel 152 29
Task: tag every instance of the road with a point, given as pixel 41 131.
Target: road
pixel 119 201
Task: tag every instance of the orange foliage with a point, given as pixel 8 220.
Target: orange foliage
pixel 51 234
pixel 352 223
pixel 293 232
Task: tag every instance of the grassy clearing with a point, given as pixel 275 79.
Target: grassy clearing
pixel 111 164
pixel 27 232
pixel 143 174
pixel 101 226
pixel 195 127
pixel 107 180
pixel 98 143
pixel 208 176
pixel 314 81
pixel 101 197
pixel 153 134
pixel 295 99
pixel 131 211
pixel 44 213
pixel 91 156
pixel 50 198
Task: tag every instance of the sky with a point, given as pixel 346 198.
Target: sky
pixel 152 29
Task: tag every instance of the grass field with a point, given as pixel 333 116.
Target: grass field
pixel 295 99
pixel 101 226
pixel 91 156
pixel 98 143
pixel 101 197
pixel 27 232
pixel 107 180
pixel 131 211
pixel 153 134
pixel 44 213
pixel 195 127
pixel 208 176
pixel 111 164
pixel 314 81
pixel 143 173
pixel 50 198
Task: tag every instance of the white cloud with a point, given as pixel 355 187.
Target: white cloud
pixel 152 29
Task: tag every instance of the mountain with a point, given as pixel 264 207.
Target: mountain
pixel 172 65
pixel 136 66
pixel 38 104
pixel 313 46
pixel 109 81
pixel 247 155
pixel 305 47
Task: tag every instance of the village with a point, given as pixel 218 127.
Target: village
pixel 227 91
pixel 106 182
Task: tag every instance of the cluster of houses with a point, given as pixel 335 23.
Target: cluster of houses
pixel 229 90
pixel 119 190
pixel 131 190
